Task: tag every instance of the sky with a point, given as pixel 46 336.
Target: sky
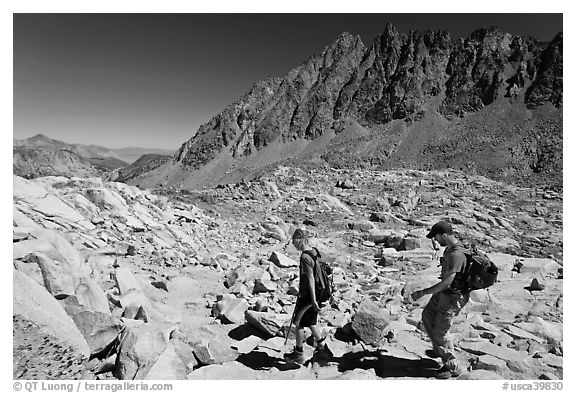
pixel 150 80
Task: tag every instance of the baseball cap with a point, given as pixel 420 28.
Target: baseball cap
pixel 439 227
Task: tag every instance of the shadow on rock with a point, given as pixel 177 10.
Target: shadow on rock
pixel 386 366
pixel 262 361
pixel 243 331
pixel 346 334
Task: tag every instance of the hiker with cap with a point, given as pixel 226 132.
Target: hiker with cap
pixel 447 299
pixel 307 307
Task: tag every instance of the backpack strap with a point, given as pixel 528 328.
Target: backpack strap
pixel 315 255
pixel 310 254
pixel 461 275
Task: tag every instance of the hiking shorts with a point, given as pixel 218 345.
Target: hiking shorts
pixel 309 317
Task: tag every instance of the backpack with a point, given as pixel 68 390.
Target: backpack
pixel 480 272
pixel 323 283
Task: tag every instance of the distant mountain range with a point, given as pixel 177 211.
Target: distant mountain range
pixel 490 104
pixel 43 156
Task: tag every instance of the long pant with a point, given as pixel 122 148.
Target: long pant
pixel 437 319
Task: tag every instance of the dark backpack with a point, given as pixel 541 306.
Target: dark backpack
pixel 480 272
pixel 323 283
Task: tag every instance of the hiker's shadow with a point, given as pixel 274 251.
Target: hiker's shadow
pixel 386 366
pixel 243 331
pixel 257 360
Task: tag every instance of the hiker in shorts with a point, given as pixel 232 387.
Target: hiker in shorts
pixel 446 301
pixel 307 308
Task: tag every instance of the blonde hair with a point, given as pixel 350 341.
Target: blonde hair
pixel 304 238
pixel 301 233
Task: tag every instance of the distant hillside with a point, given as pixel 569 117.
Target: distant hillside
pixel 490 103
pixel 131 154
pixel 144 164
pixel 32 162
pixel 43 156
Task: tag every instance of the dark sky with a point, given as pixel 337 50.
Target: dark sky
pixel 150 80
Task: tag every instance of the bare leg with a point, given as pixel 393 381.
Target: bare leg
pixel 317 336
pixel 300 338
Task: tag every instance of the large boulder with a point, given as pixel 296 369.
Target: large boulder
pixel 126 281
pixel 247 344
pixel 410 243
pixel 60 268
pixel 369 322
pixel 333 203
pixel 512 294
pixel 389 238
pixel 58 276
pixel 264 286
pixel 46 342
pixel 27 189
pixel 99 329
pixel 215 351
pixel 91 296
pixel 361 225
pixel 490 363
pixel 481 375
pixel 52 243
pixel 40 199
pixel 515 360
pixel 551 332
pixel 230 309
pixel 174 363
pixel 141 347
pixel 228 371
pixel 108 200
pixel 282 260
pixel 273 227
pixel 21 220
pixel 148 310
pixel 268 323
pixel 244 274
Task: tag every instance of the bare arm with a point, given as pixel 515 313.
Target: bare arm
pixel 454 265
pixel 311 285
pixel 442 285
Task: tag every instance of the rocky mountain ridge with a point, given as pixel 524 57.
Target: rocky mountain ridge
pixel 391 92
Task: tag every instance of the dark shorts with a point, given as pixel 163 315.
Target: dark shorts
pixel 309 317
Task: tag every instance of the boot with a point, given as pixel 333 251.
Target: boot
pixel 450 369
pixel 296 356
pixel 322 352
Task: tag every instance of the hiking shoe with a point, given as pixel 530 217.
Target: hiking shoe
pixel 446 373
pixel 432 353
pixel 323 353
pixel 295 356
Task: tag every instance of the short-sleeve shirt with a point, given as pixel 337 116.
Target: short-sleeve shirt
pixel 306 262
pixel 453 261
